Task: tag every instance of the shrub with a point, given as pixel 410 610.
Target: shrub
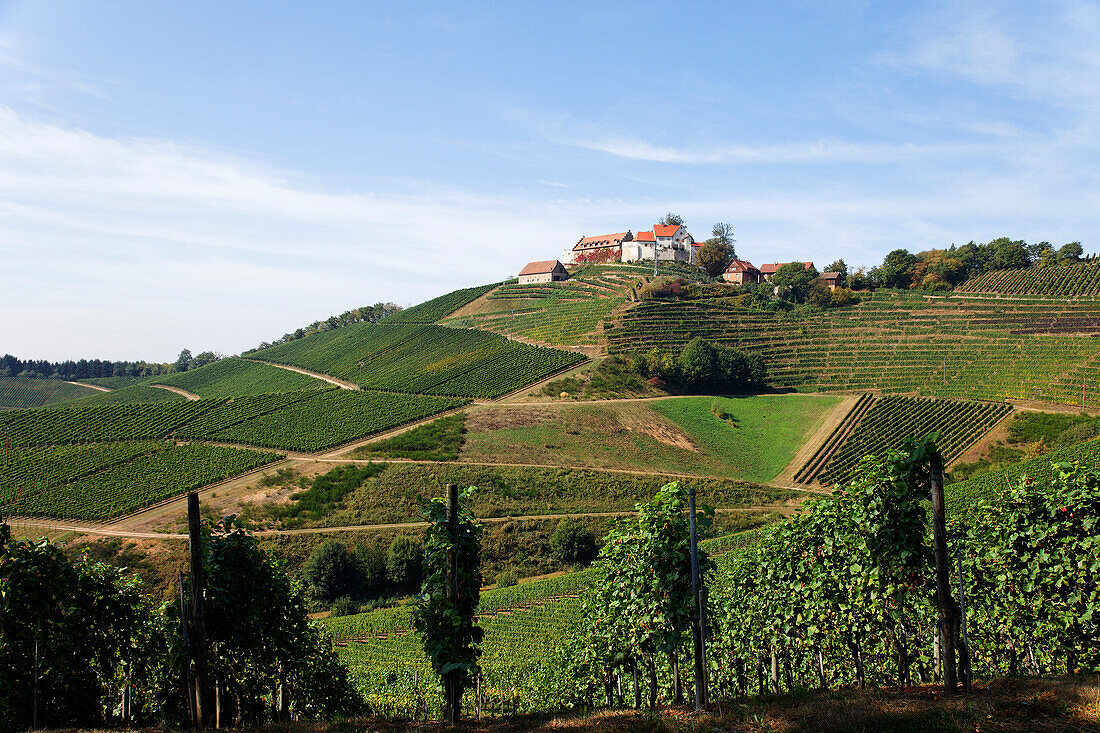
pixel 331 571
pixel 405 564
pixel 573 543
pixel 506 579
pixel 343 606
pixel 372 565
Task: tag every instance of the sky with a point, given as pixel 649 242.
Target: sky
pixel 211 175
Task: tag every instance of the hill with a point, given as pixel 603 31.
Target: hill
pixel 20 392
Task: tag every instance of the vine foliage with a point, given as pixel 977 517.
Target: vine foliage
pixel 445 615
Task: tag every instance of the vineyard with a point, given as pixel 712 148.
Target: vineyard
pixel 893 420
pixel 96 482
pixel 964 496
pixel 105 423
pixel 237 377
pixel 434 310
pixel 423 359
pixel 899 342
pixel 132 395
pixel 1059 281
pixel 20 392
pixel 321 420
pixel 524 624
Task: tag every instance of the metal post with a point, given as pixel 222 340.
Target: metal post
pixel 943 580
pixel 700 668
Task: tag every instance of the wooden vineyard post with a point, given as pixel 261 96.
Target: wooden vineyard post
pixel 946 605
pixel 34 690
pixel 186 676
pixel 964 645
pixel 450 683
pixel 198 614
pixel 700 603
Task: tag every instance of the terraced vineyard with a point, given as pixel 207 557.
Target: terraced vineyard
pixel 423 359
pixel 96 482
pixel 964 496
pixel 237 377
pixel 1061 281
pixel 104 423
pixel 956 346
pixel 20 392
pixel 328 418
pixel 893 420
pixel 229 413
pixel 431 311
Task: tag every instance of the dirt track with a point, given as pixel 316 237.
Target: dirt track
pixel 316 375
pixel 181 392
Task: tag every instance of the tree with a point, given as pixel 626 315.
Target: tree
pixel 183 361
pixel 839 266
pixel 1068 253
pixel 897 269
pixel 794 281
pixel 572 542
pixel 372 564
pixel 1009 254
pixel 331 571
pixel 714 258
pixel 671 219
pixel 722 233
pixel 405 563
pixel 204 358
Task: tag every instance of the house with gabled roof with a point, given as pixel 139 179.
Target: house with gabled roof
pixel 543 271
pixel 767 272
pixel 741 272
pixel 665 242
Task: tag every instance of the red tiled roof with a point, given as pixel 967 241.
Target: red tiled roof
pixel 601 240
pixel 740 266
pixel 665 230
pixel 537 268
pixel 644 237
pixel 773 267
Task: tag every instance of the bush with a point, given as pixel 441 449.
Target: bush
pixel 573 543
pixel 343 606
pixel 405 564
pixel 372 565
pixel 331 572
pixel 506 579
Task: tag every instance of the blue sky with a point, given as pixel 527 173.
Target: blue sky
pixel 210 174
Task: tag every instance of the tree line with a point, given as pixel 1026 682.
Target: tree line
pixel 364 314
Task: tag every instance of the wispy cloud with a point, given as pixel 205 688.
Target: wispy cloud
pixel 824 151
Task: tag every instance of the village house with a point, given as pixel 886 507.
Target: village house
pixel 767 272
pixel 741 272
pixel 544 271
pixel 832 279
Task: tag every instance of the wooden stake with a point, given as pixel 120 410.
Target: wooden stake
pixel 198 613
pixel 700 607
pixel 944 601
pixel 964 645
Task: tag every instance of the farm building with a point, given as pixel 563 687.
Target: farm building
pixel 832 279
pixel 767 272
pixel 741 272
pixel 543 271
pixel 600 248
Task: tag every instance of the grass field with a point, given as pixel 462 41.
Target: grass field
pixel 679 435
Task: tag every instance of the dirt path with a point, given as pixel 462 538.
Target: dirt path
pixel 316 375
pixel 90 386
pixel 182 392
pixel 814 441
pixel 106 530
